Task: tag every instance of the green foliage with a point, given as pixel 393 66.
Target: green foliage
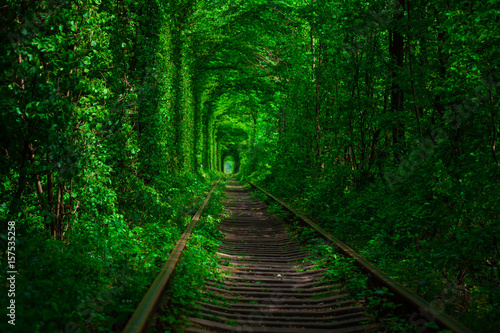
pixel 340 269
pixel 379 119
pixel 390 146
pixel 198 263
pixel 380 304
pixel 102 136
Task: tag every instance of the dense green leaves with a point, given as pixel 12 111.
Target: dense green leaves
pixel 378 118
pixel 101 153
pixel 385 128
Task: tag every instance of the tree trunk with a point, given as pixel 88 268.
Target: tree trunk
pixel 396 46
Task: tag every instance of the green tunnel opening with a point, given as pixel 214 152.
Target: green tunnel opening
pixel 229 165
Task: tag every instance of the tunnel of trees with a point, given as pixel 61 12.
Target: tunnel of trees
pixel 379 119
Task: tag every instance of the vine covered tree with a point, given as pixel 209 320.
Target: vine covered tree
pixel 377 118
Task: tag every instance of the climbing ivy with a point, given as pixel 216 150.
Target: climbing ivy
pixel 101 128
pixel 385 130
pixel 377 118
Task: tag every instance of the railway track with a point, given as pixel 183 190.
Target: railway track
pixel 268 285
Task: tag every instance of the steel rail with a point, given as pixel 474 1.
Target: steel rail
pixel 442 319
pixel 139 319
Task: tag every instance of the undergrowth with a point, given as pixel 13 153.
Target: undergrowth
pixel 198 264
pixel 94 280
pixel 342 270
